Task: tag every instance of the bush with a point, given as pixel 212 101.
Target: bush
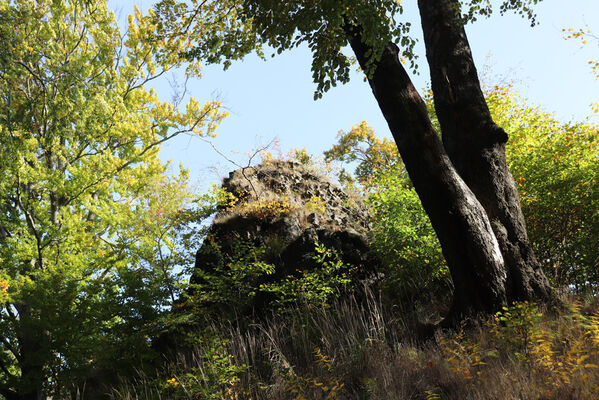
pixel 242 275
pixel 404 239
pixel 555 167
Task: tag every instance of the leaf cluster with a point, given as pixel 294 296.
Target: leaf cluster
pixel 555 168
pixel 243 278
pixel 222 31
pixel 401 233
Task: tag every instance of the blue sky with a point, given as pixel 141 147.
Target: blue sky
pixel 274 99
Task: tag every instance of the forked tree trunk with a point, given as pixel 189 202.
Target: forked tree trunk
pixel 476 145
pixel 469 245
pixel 475 257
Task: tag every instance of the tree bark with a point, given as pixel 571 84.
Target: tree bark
pixel 469 244
pixel 464 184
pixel 32 370
pixel 476 145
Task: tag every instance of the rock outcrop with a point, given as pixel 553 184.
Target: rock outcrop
pixel 285 209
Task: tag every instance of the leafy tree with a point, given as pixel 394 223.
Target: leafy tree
pixel 555 167
pixel 85 205
pixel 402 235
pixel 404 239
pixel 463 182
pixel 361 145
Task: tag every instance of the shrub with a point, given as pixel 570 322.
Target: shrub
pixel 404 239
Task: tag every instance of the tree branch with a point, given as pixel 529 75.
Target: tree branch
pixel 30 222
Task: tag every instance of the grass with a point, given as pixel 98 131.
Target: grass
pixel 362 349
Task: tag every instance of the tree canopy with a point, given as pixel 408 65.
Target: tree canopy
pixel 223 31
pixel 82 218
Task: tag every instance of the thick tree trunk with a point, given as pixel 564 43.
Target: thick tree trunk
pixel 462 226
pixel 32 370
pixel 468 192
pixel 476 145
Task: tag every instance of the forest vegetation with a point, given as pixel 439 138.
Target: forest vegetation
pixel 97 239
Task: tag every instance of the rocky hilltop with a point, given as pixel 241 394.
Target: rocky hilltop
pixel 284 208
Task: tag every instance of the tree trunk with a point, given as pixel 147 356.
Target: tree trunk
pixel 462 226
pixel 480 227
pixel 32 370
pixel 476 145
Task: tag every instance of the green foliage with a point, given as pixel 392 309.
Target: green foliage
pixel 361 145
pixel 241 274
pixel 402 235
pixel 471 9
pixel 315 287
pixel 246 25
pixel 87 212
pixel 514 327
pixel 207 370
pixel 213 376
pixel 555 167
pixel 234 280
pixel 221 31
pixel 215 31
pixel 284 25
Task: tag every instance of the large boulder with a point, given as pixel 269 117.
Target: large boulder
pixel 284 209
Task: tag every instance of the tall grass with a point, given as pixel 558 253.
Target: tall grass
pixel 363 349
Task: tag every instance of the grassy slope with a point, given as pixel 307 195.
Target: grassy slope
pixel 365 351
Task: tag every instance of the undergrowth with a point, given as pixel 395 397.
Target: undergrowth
pixel 359 349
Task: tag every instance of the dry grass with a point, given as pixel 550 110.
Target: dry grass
pixel 363 350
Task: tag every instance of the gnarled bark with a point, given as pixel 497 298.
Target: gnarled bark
pixel 462 226
pixel 476 145
pixel 468 191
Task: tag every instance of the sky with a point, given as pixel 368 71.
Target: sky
pixel 273 99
